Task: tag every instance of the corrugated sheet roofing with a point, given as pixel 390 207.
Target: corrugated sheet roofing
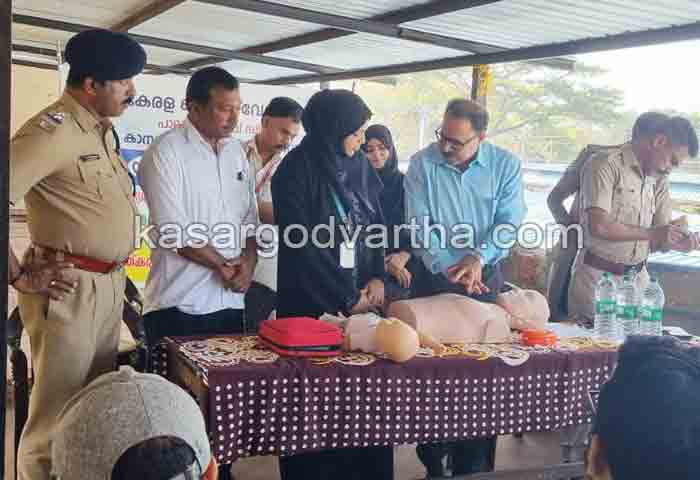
pixel 248 27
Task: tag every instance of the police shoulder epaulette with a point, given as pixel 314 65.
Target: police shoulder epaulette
pixel 50 120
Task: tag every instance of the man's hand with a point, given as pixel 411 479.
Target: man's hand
pixel 244 268
pixel 396 266
pixel 666 235
pixel 363 304
pixel 45 277
pixel 468 272
pixel 375 292
pixel 227 270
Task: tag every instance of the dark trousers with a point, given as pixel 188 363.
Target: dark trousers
pixel 467 456
pixel 171 322
pixel 372 463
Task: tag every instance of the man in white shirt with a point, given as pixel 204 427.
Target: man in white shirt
pixel 280 125
pixel 201 197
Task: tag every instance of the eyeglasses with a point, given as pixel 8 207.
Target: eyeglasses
pixel 451 142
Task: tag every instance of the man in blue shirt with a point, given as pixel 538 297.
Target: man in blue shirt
pixel 466 197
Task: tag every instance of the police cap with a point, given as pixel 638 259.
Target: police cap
pixel 105 55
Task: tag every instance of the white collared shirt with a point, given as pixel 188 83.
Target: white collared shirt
pixel 266 269
pixel 186 183
pixel 263 172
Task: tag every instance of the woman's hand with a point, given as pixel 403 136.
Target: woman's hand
pixel 396 267
pixel 403 276
pixel 375 292
pixel 363 304
pixel 397 260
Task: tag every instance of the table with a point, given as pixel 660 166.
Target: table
pixel 256 403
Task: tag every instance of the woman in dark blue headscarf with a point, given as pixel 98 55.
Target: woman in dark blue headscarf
pixel 323 185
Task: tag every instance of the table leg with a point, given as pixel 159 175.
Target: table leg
pixel 225 472
pixel 574 441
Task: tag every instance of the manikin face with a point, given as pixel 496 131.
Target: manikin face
pixel 528 308
pixel 398 340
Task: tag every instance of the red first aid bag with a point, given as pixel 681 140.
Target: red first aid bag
pixel 301 337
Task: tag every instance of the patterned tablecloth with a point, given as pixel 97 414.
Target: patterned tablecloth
pixel 257 403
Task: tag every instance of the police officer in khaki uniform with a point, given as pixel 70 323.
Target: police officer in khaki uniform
pixel 65 164
pixel 564 252
pixel 625 208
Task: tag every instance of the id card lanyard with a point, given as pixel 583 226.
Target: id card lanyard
pixel 347 248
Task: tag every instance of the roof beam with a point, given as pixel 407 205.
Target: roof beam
pixel 395 17
pixel 51 54
pixel 391 19
pixel 575 47
pixel 346 23
pixel 220 53
pixel 148 12
pixel 28 63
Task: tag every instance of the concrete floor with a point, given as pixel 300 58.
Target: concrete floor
pixel 532 450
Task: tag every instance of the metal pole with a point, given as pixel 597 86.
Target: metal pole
pixel 59 62
pixel 6 98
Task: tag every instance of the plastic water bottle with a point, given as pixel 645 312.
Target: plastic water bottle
pixel 627 306
pixel 605 326
pixel 652 308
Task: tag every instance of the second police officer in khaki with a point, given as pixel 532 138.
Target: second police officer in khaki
pixel 625 208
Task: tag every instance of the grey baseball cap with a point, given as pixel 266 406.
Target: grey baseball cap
pixel 118 411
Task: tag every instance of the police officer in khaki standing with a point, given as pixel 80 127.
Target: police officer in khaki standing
pixel 625 208
pixel 564 252
pixel 65 164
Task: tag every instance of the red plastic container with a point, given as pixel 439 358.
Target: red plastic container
pixel 301 337
pixel 538 337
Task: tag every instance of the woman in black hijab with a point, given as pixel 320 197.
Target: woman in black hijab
pixel 400 264
pixel 327 181
pixel 326 184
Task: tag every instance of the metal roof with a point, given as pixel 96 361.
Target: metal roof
pixel 301 41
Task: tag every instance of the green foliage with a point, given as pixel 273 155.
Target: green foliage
pixel 540 114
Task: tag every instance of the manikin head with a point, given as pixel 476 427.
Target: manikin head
pixel 528 309
pixel 396 339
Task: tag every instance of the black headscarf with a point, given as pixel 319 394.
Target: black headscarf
pixel 329 117
pixel 392 196
pixel 391 176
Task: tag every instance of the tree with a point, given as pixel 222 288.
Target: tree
pixel 539 113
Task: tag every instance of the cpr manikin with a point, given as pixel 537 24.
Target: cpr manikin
pixel 452 318
pixel 371 333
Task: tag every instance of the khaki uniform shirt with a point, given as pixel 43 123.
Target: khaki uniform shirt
pixel 263 173
pixel 78 194
pixel 614 182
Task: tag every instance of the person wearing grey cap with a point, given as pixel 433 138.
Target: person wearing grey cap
pixel 65 164
pixel 127 426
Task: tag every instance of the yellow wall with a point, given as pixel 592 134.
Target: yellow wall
pixel 32 90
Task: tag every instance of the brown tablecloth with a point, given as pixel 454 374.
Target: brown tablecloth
pixel 288 406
